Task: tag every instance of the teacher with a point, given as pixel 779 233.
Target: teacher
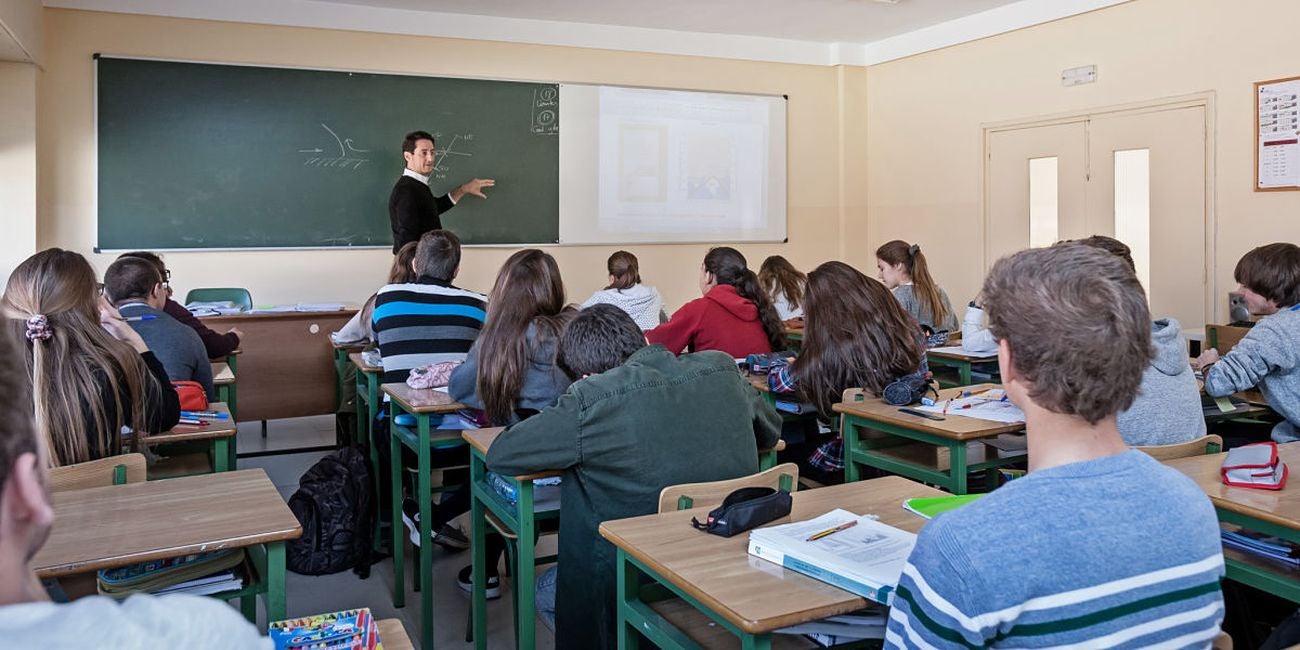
pixel 412 208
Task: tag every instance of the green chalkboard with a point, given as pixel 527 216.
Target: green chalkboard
pixel 196 155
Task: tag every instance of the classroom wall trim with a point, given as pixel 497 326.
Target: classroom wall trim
pixel 329 15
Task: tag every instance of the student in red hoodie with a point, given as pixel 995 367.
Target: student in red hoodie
pixel 734 316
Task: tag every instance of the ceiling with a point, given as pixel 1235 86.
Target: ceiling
pixel 822 21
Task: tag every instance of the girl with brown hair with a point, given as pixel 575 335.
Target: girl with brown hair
pixel 360 327
pixel 785 284
pixel 625 291
pixel 92 375
pixel 734 315
pixel 904 271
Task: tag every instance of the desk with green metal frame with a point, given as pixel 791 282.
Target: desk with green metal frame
pixel 220 435
pixel 707 591
pixel 368 405
pixel 423 405
pixel 936 452
pixel 521 520
pixel 962 361
pixel 155 520
pixel 1270 512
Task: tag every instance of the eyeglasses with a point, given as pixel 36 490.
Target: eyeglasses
pixel 167 276
pixel 99 288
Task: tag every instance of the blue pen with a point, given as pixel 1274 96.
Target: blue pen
pixel 133 319
pixel 204 414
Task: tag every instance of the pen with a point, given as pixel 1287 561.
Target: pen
pixel 192 422
pixel 135 319
pixel 831 531
pixel 946 405
pixel 920 414
pixel 204 414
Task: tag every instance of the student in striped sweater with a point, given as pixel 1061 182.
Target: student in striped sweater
pixel 1099 545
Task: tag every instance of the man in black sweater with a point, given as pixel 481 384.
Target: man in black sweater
pixel 412 208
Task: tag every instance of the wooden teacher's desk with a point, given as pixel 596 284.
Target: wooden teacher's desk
pixel 715 577
pixel 287 363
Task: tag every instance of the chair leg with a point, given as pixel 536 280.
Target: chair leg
pixel 263 428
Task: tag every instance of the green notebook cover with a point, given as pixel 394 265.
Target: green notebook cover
pixel 931 506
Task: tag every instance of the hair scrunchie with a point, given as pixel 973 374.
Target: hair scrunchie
pixel 38 328
pixel 914 249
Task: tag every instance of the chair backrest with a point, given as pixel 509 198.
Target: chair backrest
pixel 114 470
pixel 237 295
pixel 694 495
pixel 1208 444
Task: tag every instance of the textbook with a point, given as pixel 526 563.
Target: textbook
pixel 855 553
pixel 351 629
pixel 929 507
pixel 201 572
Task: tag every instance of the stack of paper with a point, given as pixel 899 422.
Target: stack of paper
pixel 989 405
pixel 1273 548
pixel 213 308
pixel 846 628
pixel 201 574
pixel 865 558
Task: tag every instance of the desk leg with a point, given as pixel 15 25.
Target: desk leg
pixel 963 370
pixel 627 594
pixel 275 582
pixel 394 526
pixel 478 552
pixel 849 430
pixel 222 459
pixel 526 569
pixel 957 466
pixel 424 494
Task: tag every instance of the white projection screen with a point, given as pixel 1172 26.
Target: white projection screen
pixel 670 166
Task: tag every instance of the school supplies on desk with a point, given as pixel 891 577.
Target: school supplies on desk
pixel 351 629
pixel 866 558
pixel 990 405
pixel 1273 548
pixel 199 574
pixel 929 507
pixel 921 415
pixel 1254 466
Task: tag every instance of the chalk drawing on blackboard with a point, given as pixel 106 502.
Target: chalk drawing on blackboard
pixel 347 158
pixel 546 107
pixel 441 164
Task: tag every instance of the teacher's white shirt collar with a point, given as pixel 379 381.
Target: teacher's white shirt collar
pixel 406 171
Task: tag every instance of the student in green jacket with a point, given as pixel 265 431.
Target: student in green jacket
pixel 635 420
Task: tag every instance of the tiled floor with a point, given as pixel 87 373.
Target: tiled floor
pixel 316 594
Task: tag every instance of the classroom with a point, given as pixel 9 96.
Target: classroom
pixel 974 129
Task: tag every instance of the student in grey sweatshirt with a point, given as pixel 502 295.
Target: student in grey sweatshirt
pixel 625 291
pixel 1269 356
pixel 1167 409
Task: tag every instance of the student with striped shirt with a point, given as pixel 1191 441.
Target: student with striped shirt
pixel 1099 545
pixel 428 320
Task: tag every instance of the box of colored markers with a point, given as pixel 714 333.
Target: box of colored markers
pixel 350 629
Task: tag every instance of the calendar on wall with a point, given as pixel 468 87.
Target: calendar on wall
pixel 1277 135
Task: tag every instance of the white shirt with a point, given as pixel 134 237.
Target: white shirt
pixel 407 171
pixel 142 621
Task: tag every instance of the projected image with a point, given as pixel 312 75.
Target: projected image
pixel 642 168
pixel 707 167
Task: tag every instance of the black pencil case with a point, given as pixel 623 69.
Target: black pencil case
pixel 745 509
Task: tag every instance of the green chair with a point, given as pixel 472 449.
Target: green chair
pixel 236 295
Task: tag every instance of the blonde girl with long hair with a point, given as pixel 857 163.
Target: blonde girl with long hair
pixel 92 375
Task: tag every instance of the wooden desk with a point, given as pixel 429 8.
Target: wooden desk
pixel 119 525
pixel 715 575
pixel 878 434
pixel 1272 512
pixel 962 361
pixel 220 434
pixel 393 634
pixel 423 404
pixel 286 366
pixel 521 519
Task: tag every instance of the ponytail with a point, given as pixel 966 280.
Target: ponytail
pixel 912 259
pixel 728 266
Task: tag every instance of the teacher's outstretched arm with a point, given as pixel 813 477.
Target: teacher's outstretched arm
pixel 473 187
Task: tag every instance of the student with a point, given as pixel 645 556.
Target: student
pixel 784 284
pixel 27 617
pixel 91 373
pixel 359 329
pixel 1269 355
pixel 510 372
pixel 1109 546
pixel 217 345
pixel 636 420
pixel 135 288
pixel 904 271
pixel 626 292
pixel 734 316
pixel 429 320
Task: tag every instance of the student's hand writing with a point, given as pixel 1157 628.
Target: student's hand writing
pixel 118 328
pixel 238 334
pixel 475 186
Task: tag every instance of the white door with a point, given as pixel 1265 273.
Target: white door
pixel 1036 180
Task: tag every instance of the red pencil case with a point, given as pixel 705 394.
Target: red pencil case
pixel 1254 466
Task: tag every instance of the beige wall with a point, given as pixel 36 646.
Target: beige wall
pixel 923 136
pixel 17 164
pixel 67 162
pixel 22 19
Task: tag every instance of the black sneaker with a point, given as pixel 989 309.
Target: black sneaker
pixel 411 517
pixel 466 584
pixel 450 537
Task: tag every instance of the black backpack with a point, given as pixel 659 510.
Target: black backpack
pixel 334 505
